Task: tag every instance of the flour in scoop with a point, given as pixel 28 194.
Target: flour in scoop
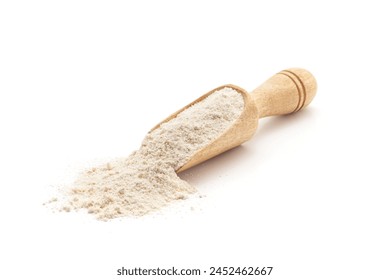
pixel 146 180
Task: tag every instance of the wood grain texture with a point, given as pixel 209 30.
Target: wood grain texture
pixel 286 92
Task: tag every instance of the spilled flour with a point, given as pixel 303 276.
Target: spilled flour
pixel 146 180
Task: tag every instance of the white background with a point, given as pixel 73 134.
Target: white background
pixel 82 81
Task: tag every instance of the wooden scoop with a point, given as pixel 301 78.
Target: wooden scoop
pixel 286 92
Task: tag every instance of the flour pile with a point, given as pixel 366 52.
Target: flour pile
pixel 146 181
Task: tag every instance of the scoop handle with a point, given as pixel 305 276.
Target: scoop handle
pixel 286 92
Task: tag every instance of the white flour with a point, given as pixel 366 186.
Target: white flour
pixel 146 180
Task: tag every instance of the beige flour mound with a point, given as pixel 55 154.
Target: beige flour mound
pixel 146 180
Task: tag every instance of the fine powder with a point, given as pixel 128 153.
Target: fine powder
pixel 146 180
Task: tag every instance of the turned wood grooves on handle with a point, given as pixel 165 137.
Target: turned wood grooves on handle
pixel 288 91
pixel 300 88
